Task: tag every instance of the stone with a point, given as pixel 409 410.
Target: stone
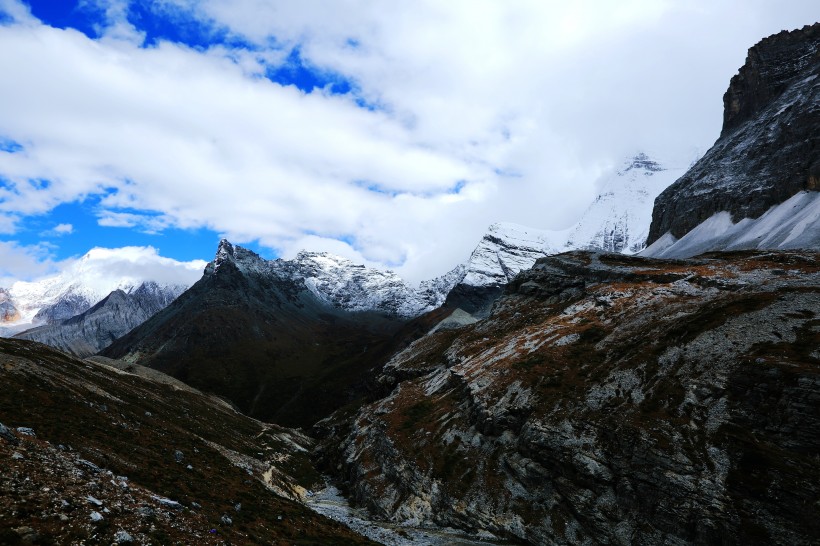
pixel 122 537
pixel 8 435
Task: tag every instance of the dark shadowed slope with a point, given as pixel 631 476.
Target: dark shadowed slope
pixel 109 453
pixel 254 333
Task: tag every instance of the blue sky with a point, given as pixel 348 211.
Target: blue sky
pixel 390 134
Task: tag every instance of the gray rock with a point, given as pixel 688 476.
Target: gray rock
pixel 146 511
pixel 8 435
pixel 27 535
pixel 27 431
pixel 179 456
pixel 88 465
pixel 96 516
pixel 122 537
pixel 226 520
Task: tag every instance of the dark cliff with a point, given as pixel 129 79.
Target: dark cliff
pixel 769 148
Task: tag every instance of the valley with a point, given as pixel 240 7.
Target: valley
pixel 649 375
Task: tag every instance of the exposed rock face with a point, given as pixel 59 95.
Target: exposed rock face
pixel 609 399
pixel 275 337
pixel 768 150
pixel 88 333
pixel 105 444
pixel 770 67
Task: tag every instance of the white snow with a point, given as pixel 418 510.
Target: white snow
pixel 98 273
pixel 617 221
pixel 794 223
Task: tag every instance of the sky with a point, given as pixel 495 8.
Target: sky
pixel 391 133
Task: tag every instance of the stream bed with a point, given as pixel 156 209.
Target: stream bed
pixel 330 503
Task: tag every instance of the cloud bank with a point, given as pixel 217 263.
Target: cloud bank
pixel 453 115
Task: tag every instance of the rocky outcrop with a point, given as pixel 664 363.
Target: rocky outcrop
pixel 608 399
pixel 768 150
pixel 95 329
pixel 771 66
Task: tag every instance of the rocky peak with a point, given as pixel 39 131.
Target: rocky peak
pixel 769 68
pixel 768 150
pixel 243 259
pixel 643 162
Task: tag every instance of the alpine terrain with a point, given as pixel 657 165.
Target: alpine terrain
pixel 560 387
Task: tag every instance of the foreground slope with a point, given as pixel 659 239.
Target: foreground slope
pixel 609 399
pixel 257 333
pixel 757 187
pixel 105 455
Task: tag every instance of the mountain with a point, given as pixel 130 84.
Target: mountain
pixel 96 455
pixel 86 281
pixel 617 221
pixel 757 187
pixel 288 341
pixel 607 399
pixel 117 314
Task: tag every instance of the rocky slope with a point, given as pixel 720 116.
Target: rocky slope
pixel 278 337
pixel 95 329
pixel 768 151
pixel 94 455
pixel 608 399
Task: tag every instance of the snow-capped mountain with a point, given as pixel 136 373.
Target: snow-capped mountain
pixel 617 221
pixel 343 284
pixel 90 279
pixel 117 314
pixel 619 218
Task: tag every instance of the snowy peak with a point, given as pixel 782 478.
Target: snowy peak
pixel 339 282
pixel 643 163
pixel 505 250
pixel 88 280
pixel 619 218
pixel 617 221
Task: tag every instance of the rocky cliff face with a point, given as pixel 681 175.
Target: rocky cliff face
pixel 89 332
pixel 768 150
pixel 608 399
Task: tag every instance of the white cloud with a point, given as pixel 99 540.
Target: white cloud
pixel 24 262
pixel 59 230
pixel 528 102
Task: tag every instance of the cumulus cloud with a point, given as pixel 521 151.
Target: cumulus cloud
pixel 24 261
pixel 477 112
